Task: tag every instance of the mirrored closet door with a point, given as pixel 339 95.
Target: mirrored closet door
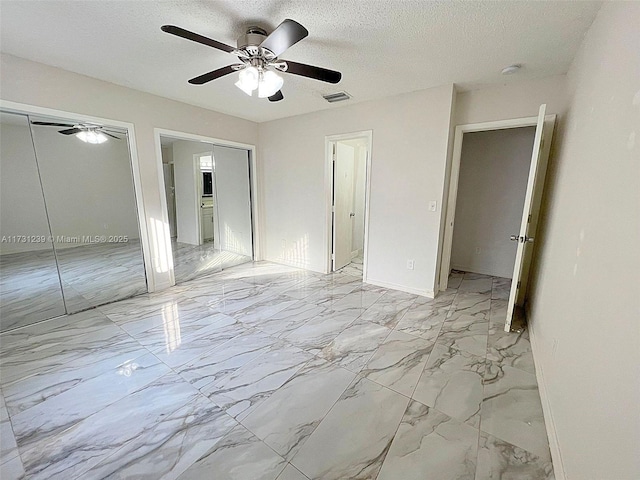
pixel 208 206
pixel 74 180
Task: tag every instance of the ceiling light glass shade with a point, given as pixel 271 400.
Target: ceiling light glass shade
pixel 91 136
pixel 270 83
pixel 248 80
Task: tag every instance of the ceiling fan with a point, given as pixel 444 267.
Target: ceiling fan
pixel 259 54
pixel 86 132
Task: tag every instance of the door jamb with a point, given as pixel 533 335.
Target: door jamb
pixel 447 243
pixel 329 141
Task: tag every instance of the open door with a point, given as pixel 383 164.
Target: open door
pixel 343 170
pixel 530 214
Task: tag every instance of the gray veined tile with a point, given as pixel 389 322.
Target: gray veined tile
pixel 287 320
pixel 8 445
pixel 182 350
pixel 501 288
pixel 12 469
pixel 291 473
pixel 87 443
pixel 240 455
pixel 168 448
pixel 355 345
pixel 320 331
pixel 240 392
pixel 388 310
pixel 455 278
pixel 442 299
pixel 430 444
pixel 472 304
pixel 452 383
pixel 465 332
pixel 511 409
pixel 37 425
pixel 498 459
pixel 287 418
pixel 212 366
pixel 476 283
pixel 498 313
pixel 399 362
pixel 423 320
pixel 353 439
pixel 255 314
pixel 510 348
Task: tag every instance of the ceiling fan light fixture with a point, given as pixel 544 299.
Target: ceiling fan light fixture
pixel 248 80
pixel 270 83
pixel 92 136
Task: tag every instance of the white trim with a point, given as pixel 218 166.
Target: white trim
pixel 450 207
pixel 402 288
pixel 329 140
pixel 256 223
pixel 145 240
pixel 550 425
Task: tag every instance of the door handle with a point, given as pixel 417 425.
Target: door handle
pixel 518 238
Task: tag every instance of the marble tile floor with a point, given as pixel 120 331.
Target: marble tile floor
pixel 268 372
pixel 353 268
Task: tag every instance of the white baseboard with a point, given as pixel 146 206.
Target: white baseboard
pixel 480 271
pixel 280 261
pixel 402 288
pixel 554 445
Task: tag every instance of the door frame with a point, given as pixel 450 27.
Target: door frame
pixel 256 224
pixel 447 243
pixel 329 140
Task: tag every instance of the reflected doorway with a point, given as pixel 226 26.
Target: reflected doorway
pixel 207 189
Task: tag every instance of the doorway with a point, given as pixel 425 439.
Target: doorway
pixel 208 204
pixel 497 178
pixel 349 159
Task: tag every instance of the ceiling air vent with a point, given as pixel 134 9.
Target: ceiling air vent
pixel 336 97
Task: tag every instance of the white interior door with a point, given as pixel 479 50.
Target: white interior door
pixel 529 222
pixel 343 172
pixel 170 194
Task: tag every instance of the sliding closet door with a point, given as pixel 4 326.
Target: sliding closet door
pixel 29 283
pixel 89 192
pixel 190 194
pixel 233 200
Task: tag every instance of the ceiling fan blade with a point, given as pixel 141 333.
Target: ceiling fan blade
pixel 317 73
pixel 276 97
pixel 50 124
pixel 70 131
pixel 207 77
pixel 288 33
pixel 194 37
pixel 112 136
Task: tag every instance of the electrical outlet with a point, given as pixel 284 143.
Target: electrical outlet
pixel 411 264
pixel 433 206
pixel 478 250
pixel 554 348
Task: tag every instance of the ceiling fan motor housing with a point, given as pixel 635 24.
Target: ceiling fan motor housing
pixel 252 39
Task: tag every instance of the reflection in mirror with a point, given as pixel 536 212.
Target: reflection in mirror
pixel 204 215
pixel 89 193
pixel 29 282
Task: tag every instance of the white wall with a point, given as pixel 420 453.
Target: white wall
pixel 586 287
pixel 23 211
pixel 33 83
pixel 233 199
pixel 408 159
pixel 494 169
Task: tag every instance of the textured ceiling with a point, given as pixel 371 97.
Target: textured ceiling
pixel 381 47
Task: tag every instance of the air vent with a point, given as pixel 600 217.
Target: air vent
pixel 336 97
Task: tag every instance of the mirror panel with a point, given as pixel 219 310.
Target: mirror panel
pixel 89 193
pixel 30 288
pixel 190 194
pixel 233 198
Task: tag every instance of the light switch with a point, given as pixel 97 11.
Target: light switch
pixel 433 206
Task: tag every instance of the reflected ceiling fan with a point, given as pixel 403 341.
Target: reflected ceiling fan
pixel 86 132
pixel 259 54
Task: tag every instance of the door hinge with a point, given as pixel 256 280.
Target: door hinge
pixel 518 286
pixel 333 209
pixel 333 256
pixel 529 219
